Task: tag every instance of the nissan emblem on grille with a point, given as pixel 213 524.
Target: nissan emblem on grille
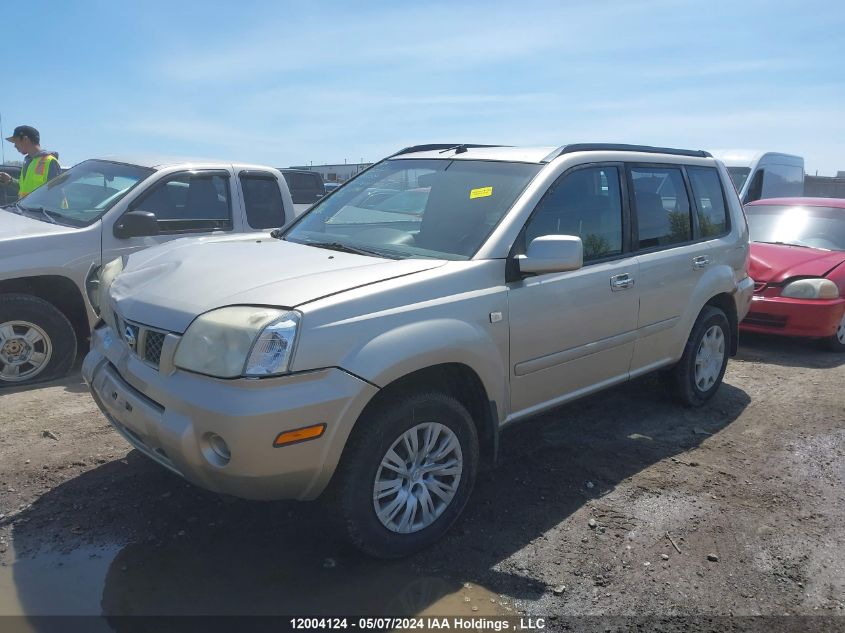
pixel 129 335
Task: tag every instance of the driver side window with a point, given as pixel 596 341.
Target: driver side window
pixel 586 203
pixel 190 202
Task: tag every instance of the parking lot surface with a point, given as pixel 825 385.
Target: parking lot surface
pixel 618 504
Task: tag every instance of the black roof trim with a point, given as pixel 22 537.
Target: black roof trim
pixel 620 147
pixel 437 146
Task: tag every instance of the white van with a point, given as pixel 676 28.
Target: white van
pixel 757 174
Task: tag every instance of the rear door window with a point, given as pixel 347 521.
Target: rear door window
pixel 263 201
pixel 661 206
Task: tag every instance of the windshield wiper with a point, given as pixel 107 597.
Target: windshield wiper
pixel 44 212
pixel 345 248
pixel 785 244
pixel 13 208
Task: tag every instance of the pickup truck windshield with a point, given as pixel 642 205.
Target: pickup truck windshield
pixel 440 208
pixel 85 192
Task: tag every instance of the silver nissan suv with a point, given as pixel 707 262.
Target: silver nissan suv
pixel 373 349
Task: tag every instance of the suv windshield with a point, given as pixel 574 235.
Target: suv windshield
pixel 417 208
pixel 85 192
pixel 817 227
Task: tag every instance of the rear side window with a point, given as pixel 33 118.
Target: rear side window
pixel 661 205
pixel 263 201
pixel 585 203
pixel 191 201
pixel 709 201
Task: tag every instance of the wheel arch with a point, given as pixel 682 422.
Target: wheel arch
pixel 457 380
pixel 59 291
pixel 725 302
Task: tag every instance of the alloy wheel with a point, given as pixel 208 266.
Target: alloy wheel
pixel 417 478
pixel 25 351
pixel 709 358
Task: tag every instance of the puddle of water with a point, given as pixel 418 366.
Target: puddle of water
pixel 225 578
pixel 470 601
pixel 51 583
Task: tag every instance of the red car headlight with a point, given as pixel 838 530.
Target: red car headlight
pixel 811 289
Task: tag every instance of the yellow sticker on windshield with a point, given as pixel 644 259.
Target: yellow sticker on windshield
pixel 482 192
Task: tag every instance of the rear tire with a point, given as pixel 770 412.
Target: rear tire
pixel 406 474
pixel 37 342
pixel 697 376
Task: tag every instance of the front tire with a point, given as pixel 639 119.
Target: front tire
pixel 407 474
pixel 836 343
pixel 697 376
pixel 37 342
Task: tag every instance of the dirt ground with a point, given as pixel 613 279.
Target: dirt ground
pixel 622 504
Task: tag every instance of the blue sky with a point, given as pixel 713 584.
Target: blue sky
pixel 285 83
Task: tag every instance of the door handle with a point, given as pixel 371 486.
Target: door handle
pixel 701 261
pixel 622 281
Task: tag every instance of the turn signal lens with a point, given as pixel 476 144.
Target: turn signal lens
pixel 299 435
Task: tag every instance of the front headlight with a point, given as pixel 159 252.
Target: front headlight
pixel 239 341
pixel 100 299
pixel 811 289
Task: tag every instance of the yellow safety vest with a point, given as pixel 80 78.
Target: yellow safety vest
pixel 35 174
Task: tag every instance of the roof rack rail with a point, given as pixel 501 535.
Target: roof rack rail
pixel 437 146
pixel 621 147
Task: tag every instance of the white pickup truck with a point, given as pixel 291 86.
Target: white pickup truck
pixel 54 241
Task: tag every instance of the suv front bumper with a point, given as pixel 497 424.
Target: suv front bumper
pixel 170 418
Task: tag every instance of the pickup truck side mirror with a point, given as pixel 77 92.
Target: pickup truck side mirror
pixel 136 224
pixel 552 254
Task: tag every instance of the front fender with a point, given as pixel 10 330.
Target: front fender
pixel 414 346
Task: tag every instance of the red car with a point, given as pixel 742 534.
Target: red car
pixel 798 266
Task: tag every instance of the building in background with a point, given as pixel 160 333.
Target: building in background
pixel 335 173
pixel 825 186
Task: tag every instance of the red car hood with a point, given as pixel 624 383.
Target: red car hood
pixel 774 263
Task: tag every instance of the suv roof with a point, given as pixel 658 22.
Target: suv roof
pixel 469 151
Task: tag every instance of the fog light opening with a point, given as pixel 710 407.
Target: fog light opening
pixel 216 450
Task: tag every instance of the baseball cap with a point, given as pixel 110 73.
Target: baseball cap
pixel 28 131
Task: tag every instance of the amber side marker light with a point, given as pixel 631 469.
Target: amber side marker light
pixel 286 438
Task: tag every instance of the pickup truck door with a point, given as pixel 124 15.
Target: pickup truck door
pixel 185 203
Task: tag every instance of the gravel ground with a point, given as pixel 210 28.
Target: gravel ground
pixel 622 504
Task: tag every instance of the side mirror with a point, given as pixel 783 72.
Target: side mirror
pixel 136 224
pixel 552 254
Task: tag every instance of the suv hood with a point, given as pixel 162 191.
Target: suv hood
pixel 775 263
pixel 170 285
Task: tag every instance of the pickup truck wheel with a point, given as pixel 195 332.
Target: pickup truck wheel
pixel 836 343
pixel 406 476
pixel 37 342
pixel 697 376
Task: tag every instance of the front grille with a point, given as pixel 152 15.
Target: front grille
pixel 153 342
pixel 145 342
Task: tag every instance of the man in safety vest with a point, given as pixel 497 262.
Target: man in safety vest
pixel 38 166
